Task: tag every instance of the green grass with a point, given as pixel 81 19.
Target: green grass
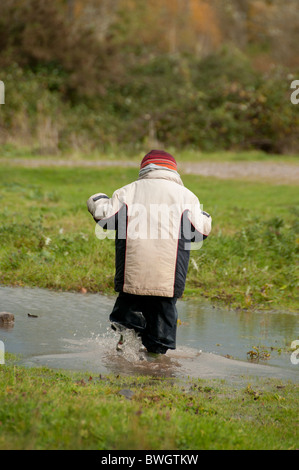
pixel 115 153
pixel 47 236
pixel 45 409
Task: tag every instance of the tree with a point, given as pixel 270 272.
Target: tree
pixel 170 26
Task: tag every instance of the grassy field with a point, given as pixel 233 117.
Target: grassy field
pixel 48 238
pixel 10 152
pixel 44 409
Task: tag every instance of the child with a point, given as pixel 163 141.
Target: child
pixel 155 219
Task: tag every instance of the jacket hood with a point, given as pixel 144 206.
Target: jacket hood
pixel 161 173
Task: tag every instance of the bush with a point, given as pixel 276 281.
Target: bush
pixel 94 93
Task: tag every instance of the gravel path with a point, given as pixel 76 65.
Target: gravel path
pixel 286 173
pixel 257 171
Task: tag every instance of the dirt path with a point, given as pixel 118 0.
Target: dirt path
pixel 285 173
pixel 256 171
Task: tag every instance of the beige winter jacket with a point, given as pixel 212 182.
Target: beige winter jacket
pixel 155 219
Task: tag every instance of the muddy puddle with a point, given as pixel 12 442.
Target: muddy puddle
pixel 71 331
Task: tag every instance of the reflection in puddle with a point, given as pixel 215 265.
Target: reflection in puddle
pixel 72 331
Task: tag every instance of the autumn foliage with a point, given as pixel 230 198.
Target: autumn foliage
pixel 97 73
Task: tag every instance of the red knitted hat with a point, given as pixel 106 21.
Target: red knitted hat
pixel 159 157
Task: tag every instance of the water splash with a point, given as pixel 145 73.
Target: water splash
pixel 132 349
pixel 133 358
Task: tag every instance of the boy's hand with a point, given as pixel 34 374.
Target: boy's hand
pixel 91 203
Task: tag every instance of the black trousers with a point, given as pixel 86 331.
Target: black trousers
pixel 154 318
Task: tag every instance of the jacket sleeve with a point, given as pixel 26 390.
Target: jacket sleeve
pixel 104 209
pixel 201 222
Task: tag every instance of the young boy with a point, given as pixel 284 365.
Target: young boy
pixel 155 219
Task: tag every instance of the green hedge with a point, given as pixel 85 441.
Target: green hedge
pixel 215 103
